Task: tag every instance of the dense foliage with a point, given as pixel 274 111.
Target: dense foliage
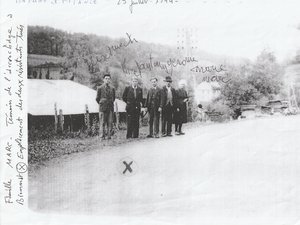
pixel 252 83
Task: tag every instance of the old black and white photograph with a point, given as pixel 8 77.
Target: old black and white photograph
pixel 150 112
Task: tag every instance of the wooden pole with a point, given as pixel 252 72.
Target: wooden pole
pixel 140 120
pixel 61 120
pixel 87 118
pixel 55 117
pixel 117 116
pixel 71 124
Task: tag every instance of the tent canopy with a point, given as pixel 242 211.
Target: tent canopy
pixel 68 95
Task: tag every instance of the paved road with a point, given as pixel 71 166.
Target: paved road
pixel 242 170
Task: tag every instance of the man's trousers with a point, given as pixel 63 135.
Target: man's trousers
pixel 133 124
pixel 167 119
pixel 105 123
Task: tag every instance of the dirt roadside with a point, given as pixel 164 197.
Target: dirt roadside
pixel 40 151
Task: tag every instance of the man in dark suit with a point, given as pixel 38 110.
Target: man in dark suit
pixel 153 105
pixel 167 105
pixel 133 96
pixel 105 98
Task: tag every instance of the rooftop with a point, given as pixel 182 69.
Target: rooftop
pixel 68 95
pixel 35 60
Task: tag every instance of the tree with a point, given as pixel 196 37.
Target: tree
pixel 252 83
pixel 266 75
pixel 238 91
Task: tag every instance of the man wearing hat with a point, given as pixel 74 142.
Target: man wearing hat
pixel 167 105
pixel 105 98
pixel 152 105
pixel 133 96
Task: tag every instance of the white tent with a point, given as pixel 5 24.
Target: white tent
pixel 68 95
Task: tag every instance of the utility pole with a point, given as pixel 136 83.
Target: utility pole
pixel 187 45
pixel 292 97
pixel 290 81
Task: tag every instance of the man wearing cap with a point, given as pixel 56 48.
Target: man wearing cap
pixel 167 105
pixel 152 105
pixel 133 96
pixel 105 98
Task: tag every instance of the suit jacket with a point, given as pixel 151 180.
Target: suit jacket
pixel 133 103
pixel 105 98
pixel 164 97
pixel 153 98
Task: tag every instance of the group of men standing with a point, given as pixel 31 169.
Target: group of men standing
pixel 166 103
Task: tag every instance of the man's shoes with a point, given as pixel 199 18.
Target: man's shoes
pixel 164 135
pixel 156 136
pixel 177 133
pixel 181 133
pixel 169 135
pixel 149 136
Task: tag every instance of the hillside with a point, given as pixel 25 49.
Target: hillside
pixel 88 56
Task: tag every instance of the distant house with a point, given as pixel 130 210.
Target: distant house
pixel 206 92
pixel 68 96
pixel 266 109
pixel 45 67
pixel 271 108
pixel 278 106
pixel 249 111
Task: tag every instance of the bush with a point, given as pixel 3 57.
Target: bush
pixel 224 110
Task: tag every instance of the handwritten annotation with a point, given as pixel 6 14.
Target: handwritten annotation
pixel 212 69
pixel 133 3
pixel 111 49
pixel 167 67
pixel 13 78
pixel 58 2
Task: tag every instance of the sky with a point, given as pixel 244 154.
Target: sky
pixel 237 28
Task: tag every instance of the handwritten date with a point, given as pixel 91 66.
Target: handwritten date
pixel 133 3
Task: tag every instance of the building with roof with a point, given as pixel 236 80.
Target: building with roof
pixel 45 67
pixel 249 111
